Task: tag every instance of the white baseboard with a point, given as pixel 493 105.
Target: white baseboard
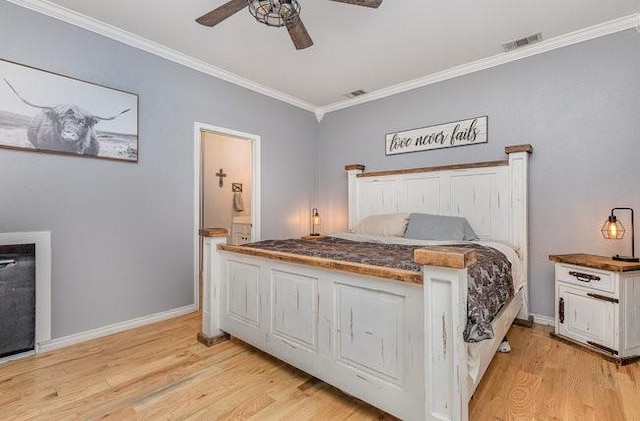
pixel 114 328
pixel 543 320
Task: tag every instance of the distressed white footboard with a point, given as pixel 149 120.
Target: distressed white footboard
pixel 362 334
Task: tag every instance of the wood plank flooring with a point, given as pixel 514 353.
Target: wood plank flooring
pixel 161 372
pixel 547 379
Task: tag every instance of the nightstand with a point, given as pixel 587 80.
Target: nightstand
pixel 598 304
pixel 240 233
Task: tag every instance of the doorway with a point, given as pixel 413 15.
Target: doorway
pixel 227 188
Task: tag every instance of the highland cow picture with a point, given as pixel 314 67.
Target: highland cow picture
pixel 46 112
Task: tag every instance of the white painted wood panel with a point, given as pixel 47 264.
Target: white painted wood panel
pixel 446 369
pixel 518 192
pixel 212 270
pixel 242 298
pixel 379 197
pixel 472 197
pixel 586 318
pixel 631 300
pixel 421 195
pixel 369 331
pixel 602 280
pixel 503 211
pixel 295 308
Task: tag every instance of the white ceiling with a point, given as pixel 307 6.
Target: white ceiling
pixel 355 47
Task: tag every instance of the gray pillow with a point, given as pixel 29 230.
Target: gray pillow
pixel 423 226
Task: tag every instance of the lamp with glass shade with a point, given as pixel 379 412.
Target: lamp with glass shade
pixel 612 229
pixel 315 222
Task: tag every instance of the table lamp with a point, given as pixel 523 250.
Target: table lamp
pixel 315 222
pixel 613 230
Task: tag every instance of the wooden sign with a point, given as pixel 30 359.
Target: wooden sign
pixel 459 133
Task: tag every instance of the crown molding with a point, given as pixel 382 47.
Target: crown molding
pixel 64 14
pixel 596 31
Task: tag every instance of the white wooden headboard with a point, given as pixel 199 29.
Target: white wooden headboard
pixel 491 195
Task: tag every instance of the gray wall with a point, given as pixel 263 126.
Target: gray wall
pixel 122 232
pixel 578 106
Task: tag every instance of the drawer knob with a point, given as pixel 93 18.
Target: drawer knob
pixel 584 277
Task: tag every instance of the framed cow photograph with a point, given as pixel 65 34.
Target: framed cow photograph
pixel 42 111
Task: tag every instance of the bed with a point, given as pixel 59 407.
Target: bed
pixel 389 336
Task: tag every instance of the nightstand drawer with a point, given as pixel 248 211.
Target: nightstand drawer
pixel 240 228
pixel 586 277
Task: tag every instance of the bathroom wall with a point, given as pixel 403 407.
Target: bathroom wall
pixel 234 157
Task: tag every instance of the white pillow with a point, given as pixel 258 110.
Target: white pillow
pixel 387 225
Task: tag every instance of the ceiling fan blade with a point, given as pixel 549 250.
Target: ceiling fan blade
pixel 367 3
pixel 216 16
pixel 299 34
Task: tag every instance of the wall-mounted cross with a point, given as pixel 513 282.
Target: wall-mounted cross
pixel 222 175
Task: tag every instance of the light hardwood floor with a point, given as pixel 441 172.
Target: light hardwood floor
pixel 161 372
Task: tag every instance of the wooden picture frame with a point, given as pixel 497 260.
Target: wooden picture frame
pixel 41 111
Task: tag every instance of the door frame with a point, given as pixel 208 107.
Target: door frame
pixel 256 208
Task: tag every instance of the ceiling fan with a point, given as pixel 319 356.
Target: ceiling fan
pixel 274 13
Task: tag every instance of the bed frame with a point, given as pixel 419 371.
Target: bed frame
pixel 379 334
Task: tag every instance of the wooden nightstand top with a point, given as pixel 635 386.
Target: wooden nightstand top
pixel 313 237
pixel 214 232
pixel 596 262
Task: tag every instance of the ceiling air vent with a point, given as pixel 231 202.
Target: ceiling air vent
pixel 356 93
pixel 522 42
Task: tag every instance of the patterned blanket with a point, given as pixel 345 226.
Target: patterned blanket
pixel 490 280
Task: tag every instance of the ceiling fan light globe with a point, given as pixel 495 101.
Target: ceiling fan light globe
pixel 274 12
